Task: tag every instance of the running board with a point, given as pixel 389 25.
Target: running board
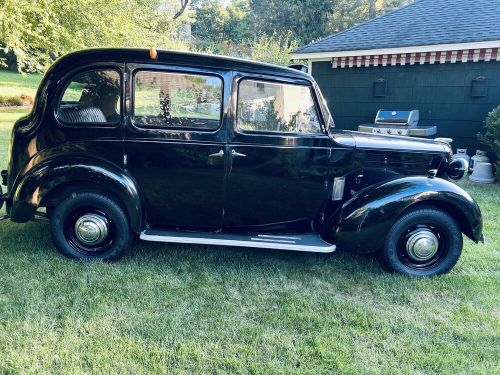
pixel 296 242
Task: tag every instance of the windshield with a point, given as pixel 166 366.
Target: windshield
pixel 324 108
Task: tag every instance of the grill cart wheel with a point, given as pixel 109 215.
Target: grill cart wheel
pixel 423 242
pixel 90 226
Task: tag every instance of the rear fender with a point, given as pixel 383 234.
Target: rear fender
pixel 363 222
pixel 51 175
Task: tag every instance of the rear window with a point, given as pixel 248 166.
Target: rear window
pixel 177 100
pixel 91 97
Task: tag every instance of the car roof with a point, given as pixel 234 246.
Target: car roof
pixel 140 55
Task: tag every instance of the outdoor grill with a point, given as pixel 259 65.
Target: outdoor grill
pixel 398 123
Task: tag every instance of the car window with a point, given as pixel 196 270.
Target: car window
pixel 177 100
pixel 92 97
pixel 276 107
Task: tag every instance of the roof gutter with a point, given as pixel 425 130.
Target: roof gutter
pixel 396 50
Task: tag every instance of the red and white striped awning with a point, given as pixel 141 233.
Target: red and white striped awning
pixel 467 55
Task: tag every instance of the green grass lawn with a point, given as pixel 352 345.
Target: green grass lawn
pixel 196 309
pixel 14 84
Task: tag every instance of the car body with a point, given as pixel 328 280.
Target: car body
pixel 206 149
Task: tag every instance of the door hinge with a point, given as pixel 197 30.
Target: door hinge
pixel 125 159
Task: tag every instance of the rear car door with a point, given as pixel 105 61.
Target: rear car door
pixel 278 174
pixel 174 144
pixel 87 114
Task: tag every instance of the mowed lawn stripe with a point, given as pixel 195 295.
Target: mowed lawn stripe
pixel 184 309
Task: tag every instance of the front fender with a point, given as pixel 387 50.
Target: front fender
pixel 51 174
pixel 364 221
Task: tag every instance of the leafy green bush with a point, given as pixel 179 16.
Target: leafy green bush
pixel 10 101
pixel 491 137
pixel 274 49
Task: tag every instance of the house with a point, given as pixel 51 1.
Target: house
pixel 438 56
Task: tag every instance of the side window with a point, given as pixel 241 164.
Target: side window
pixel 177 100
pixel 92 97
pixel 276 107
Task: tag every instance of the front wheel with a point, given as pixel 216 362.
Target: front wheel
pixel 423 242
pixel 90 226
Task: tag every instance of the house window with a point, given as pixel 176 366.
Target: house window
pixel 91 97
pixel 276 107
pixel 177 100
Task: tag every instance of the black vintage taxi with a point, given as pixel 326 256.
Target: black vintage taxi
pixel 201 149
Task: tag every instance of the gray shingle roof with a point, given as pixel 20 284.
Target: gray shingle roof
pixel 425 22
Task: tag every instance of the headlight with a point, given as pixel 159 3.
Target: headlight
pixel 457 168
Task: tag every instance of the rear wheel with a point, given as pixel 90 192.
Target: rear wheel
pixel 90 226
pixel 423 242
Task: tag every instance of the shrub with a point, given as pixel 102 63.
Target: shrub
pixel 16 101
pixel 10 101
pixel 491 136
pixel 274 49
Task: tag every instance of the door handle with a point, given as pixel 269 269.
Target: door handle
pixel 236 154
pixel 217 154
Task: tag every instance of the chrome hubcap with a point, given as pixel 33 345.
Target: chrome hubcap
pixel 422 245
pixel 91 229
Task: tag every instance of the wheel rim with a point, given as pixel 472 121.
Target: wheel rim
pixel 92 229
pixel 422 246
pixel 89 231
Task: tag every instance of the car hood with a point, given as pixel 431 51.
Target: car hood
pixel 389 142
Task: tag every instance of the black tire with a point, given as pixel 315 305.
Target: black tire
pixel 426 224
pixel 110 216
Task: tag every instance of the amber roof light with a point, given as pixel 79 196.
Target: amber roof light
pixel 153 53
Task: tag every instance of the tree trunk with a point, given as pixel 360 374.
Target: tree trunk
pixel 372 10
pixel 184 4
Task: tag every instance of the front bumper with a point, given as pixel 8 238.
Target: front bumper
pixel 3 198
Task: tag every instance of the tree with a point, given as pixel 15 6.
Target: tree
pixel 38 31
pixel 309 20
pixel 372 10
pixel 184 4
pixel 217 23
pixel 274 49
pixel 209 24
pixel 348 13
pixel 306 19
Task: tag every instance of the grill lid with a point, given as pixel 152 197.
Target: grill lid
pixel 401 118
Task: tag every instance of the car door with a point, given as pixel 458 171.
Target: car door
pixel 87 116
pixel 174 144
pixel 278 172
